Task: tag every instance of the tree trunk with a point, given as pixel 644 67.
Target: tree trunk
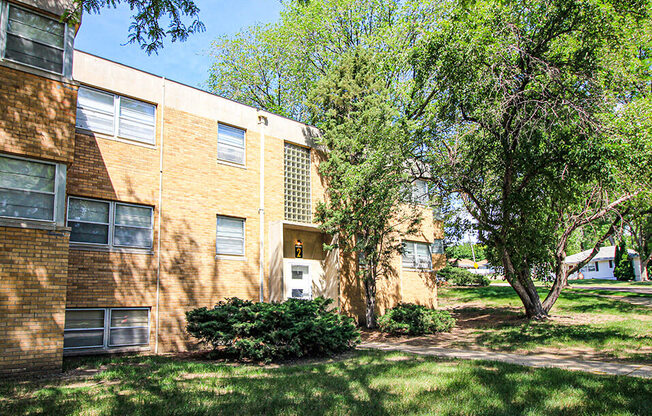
pixel 522 283
pixel 370 298
pixel 644 274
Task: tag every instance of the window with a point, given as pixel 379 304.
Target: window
pixel 230 236
pixel 437 247
pixel 110 223
pixel 419 192
pixel 34 40
pixel 230 144
pixel 27 189
pixel 297 184
pixel 416 255
pixel 117 116
pixel 593 267
pixel 611 264
pixel 106 328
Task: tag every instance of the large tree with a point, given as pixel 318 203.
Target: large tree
pixel 366 177
pixel 146 28
pixel 275 66
pixel 514 98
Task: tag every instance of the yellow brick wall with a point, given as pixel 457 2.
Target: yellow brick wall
pixel 33 273
pixel 37 116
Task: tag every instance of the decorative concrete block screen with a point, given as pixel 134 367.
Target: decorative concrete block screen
pixel 297 184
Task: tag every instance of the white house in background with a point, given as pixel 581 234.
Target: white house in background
pixel 484 268
pixel 602 265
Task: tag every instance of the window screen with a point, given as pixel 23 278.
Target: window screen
pixel 89 221
pixel 230 144
pixel 110 223
pixel 416 255
pixel 84 329
pixel 129 327
pixel 106 327
pixel 230 236
pixel 437 247
pixel 133 226
pixel 297 184
pixel 107 113
pixel 35 40
pixel 27 189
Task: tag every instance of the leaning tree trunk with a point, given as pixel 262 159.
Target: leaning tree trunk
pixel 522 283
pixel 370 299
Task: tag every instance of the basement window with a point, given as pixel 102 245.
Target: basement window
pixel 105 328
pixel 110 224
pixel 416 255
pixel 117 116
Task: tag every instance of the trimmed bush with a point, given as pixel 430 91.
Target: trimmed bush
pixel 265 332
pixel 411 319
pixel 460 277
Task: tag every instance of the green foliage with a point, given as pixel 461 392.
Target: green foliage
pixel 461 277
pixel 275 66
pixel 513 98
pixel 411 319
pixel 623 267
pixel 363 166
pixel 145 27
pixel 273 331
pixel 463 251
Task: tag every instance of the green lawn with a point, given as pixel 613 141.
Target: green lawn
pixel 603 282
pixel 608 327
pixel 366 383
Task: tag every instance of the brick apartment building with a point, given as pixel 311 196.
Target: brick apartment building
pixel 127 199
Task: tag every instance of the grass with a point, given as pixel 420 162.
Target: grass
pixel 366 383
pixel 608 327
pixel 604 282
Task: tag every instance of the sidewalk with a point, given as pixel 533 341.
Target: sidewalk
pixel 531 360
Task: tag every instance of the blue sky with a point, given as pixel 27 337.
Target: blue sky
pixel 187 62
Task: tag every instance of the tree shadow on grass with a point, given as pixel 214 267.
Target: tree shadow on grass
pixel 371 383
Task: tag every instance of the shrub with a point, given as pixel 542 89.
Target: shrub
pixel 273 331
pixel 411 319
pixel 460 277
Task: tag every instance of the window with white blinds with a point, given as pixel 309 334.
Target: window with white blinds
pixel 416 255
pixel 114 115
pixel 35 40
pixel 230 236
pixel 230 144
pixel 109 223
pixel 27 189
pixel 105 328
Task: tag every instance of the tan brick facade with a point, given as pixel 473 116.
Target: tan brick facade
pixel 186 185
pixel 33 273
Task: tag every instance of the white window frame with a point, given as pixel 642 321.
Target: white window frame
pixel 112 210
pixel 87 329
pixel 106 329
pixel 415 263
pixel 244 146
pixel 116 119
pixel 415 196
pixel 59 190
pixel 244 237
pixel 68 38
pixel 109 327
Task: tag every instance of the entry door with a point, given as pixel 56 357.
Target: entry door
pixel 300 282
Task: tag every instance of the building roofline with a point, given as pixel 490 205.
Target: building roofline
pixel 195 88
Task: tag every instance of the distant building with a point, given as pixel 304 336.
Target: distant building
pixel 602 265
pixel 484 268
